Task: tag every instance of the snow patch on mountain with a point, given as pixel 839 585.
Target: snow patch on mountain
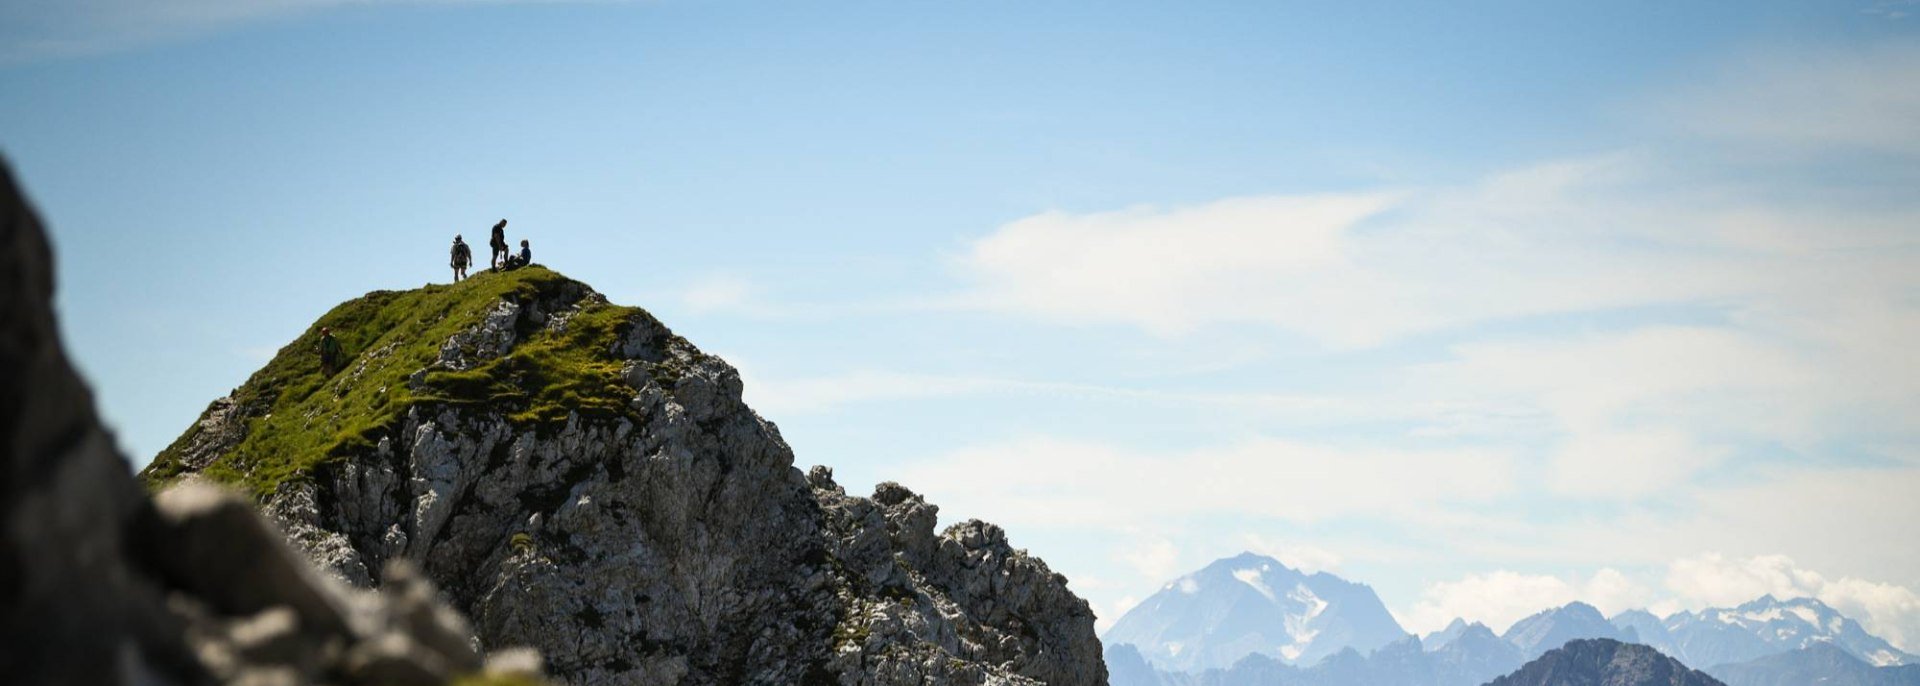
pixel 1251 577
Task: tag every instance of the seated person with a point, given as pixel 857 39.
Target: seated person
pixel 521 260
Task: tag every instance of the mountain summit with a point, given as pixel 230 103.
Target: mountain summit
pixel 579 479
pixel 1251 604
pixel 1760 627
pixel 1605 662
pixel 1550 629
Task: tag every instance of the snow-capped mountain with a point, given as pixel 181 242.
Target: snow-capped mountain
pixel 1251 604
pixel 1765 626
pixel 1549 629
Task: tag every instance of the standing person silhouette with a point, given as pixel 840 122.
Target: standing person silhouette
pixel 330 353
pixel 462 256
pixel 499 245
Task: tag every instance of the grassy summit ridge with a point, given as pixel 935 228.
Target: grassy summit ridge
pixel 295 420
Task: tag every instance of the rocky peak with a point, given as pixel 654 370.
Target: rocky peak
pixel 1605 662
pixel 100 584
pixel 581 480
pixel 1549 629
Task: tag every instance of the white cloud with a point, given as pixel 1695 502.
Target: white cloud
pixel 1500 598
pixel 1604 232
pixel 1630 407
pixel 1153 558
pixel 1052 482
pixel 1712 580
pixel 1886 610
pixel 1240 259
pixel 1301 556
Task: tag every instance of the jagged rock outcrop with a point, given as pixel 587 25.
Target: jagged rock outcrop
pixel 580 480
pixel 101 585
pixel 1605 662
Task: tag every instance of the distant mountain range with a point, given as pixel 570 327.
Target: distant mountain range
pixel 1469 661
pixel 1824 664
pixel 1254 605
pixel 1251 621
pixel 1550 629
pixel 1605 662
pixel 1762 627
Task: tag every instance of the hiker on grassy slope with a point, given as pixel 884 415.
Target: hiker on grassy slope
pixel 329 352
pixel 462 256
pixel 499 245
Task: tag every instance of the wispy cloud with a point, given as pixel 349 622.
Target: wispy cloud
pixel 1608 232
pixel 810 395
pixel 1500 598
pixel 1302 556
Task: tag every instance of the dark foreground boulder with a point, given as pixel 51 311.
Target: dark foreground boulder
pixel 99 584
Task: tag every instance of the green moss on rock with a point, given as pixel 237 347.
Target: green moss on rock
pixel 297 419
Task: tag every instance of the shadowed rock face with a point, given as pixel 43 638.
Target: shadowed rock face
pixel 100 585
pixel 75 606
pixel 660 534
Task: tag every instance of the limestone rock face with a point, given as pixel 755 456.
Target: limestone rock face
pixel 101 585
pixel 663 538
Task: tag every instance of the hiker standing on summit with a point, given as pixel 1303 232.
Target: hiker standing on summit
pixel 462 256
pixel 499 245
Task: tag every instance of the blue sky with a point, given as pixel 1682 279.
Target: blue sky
pixel 1492 307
